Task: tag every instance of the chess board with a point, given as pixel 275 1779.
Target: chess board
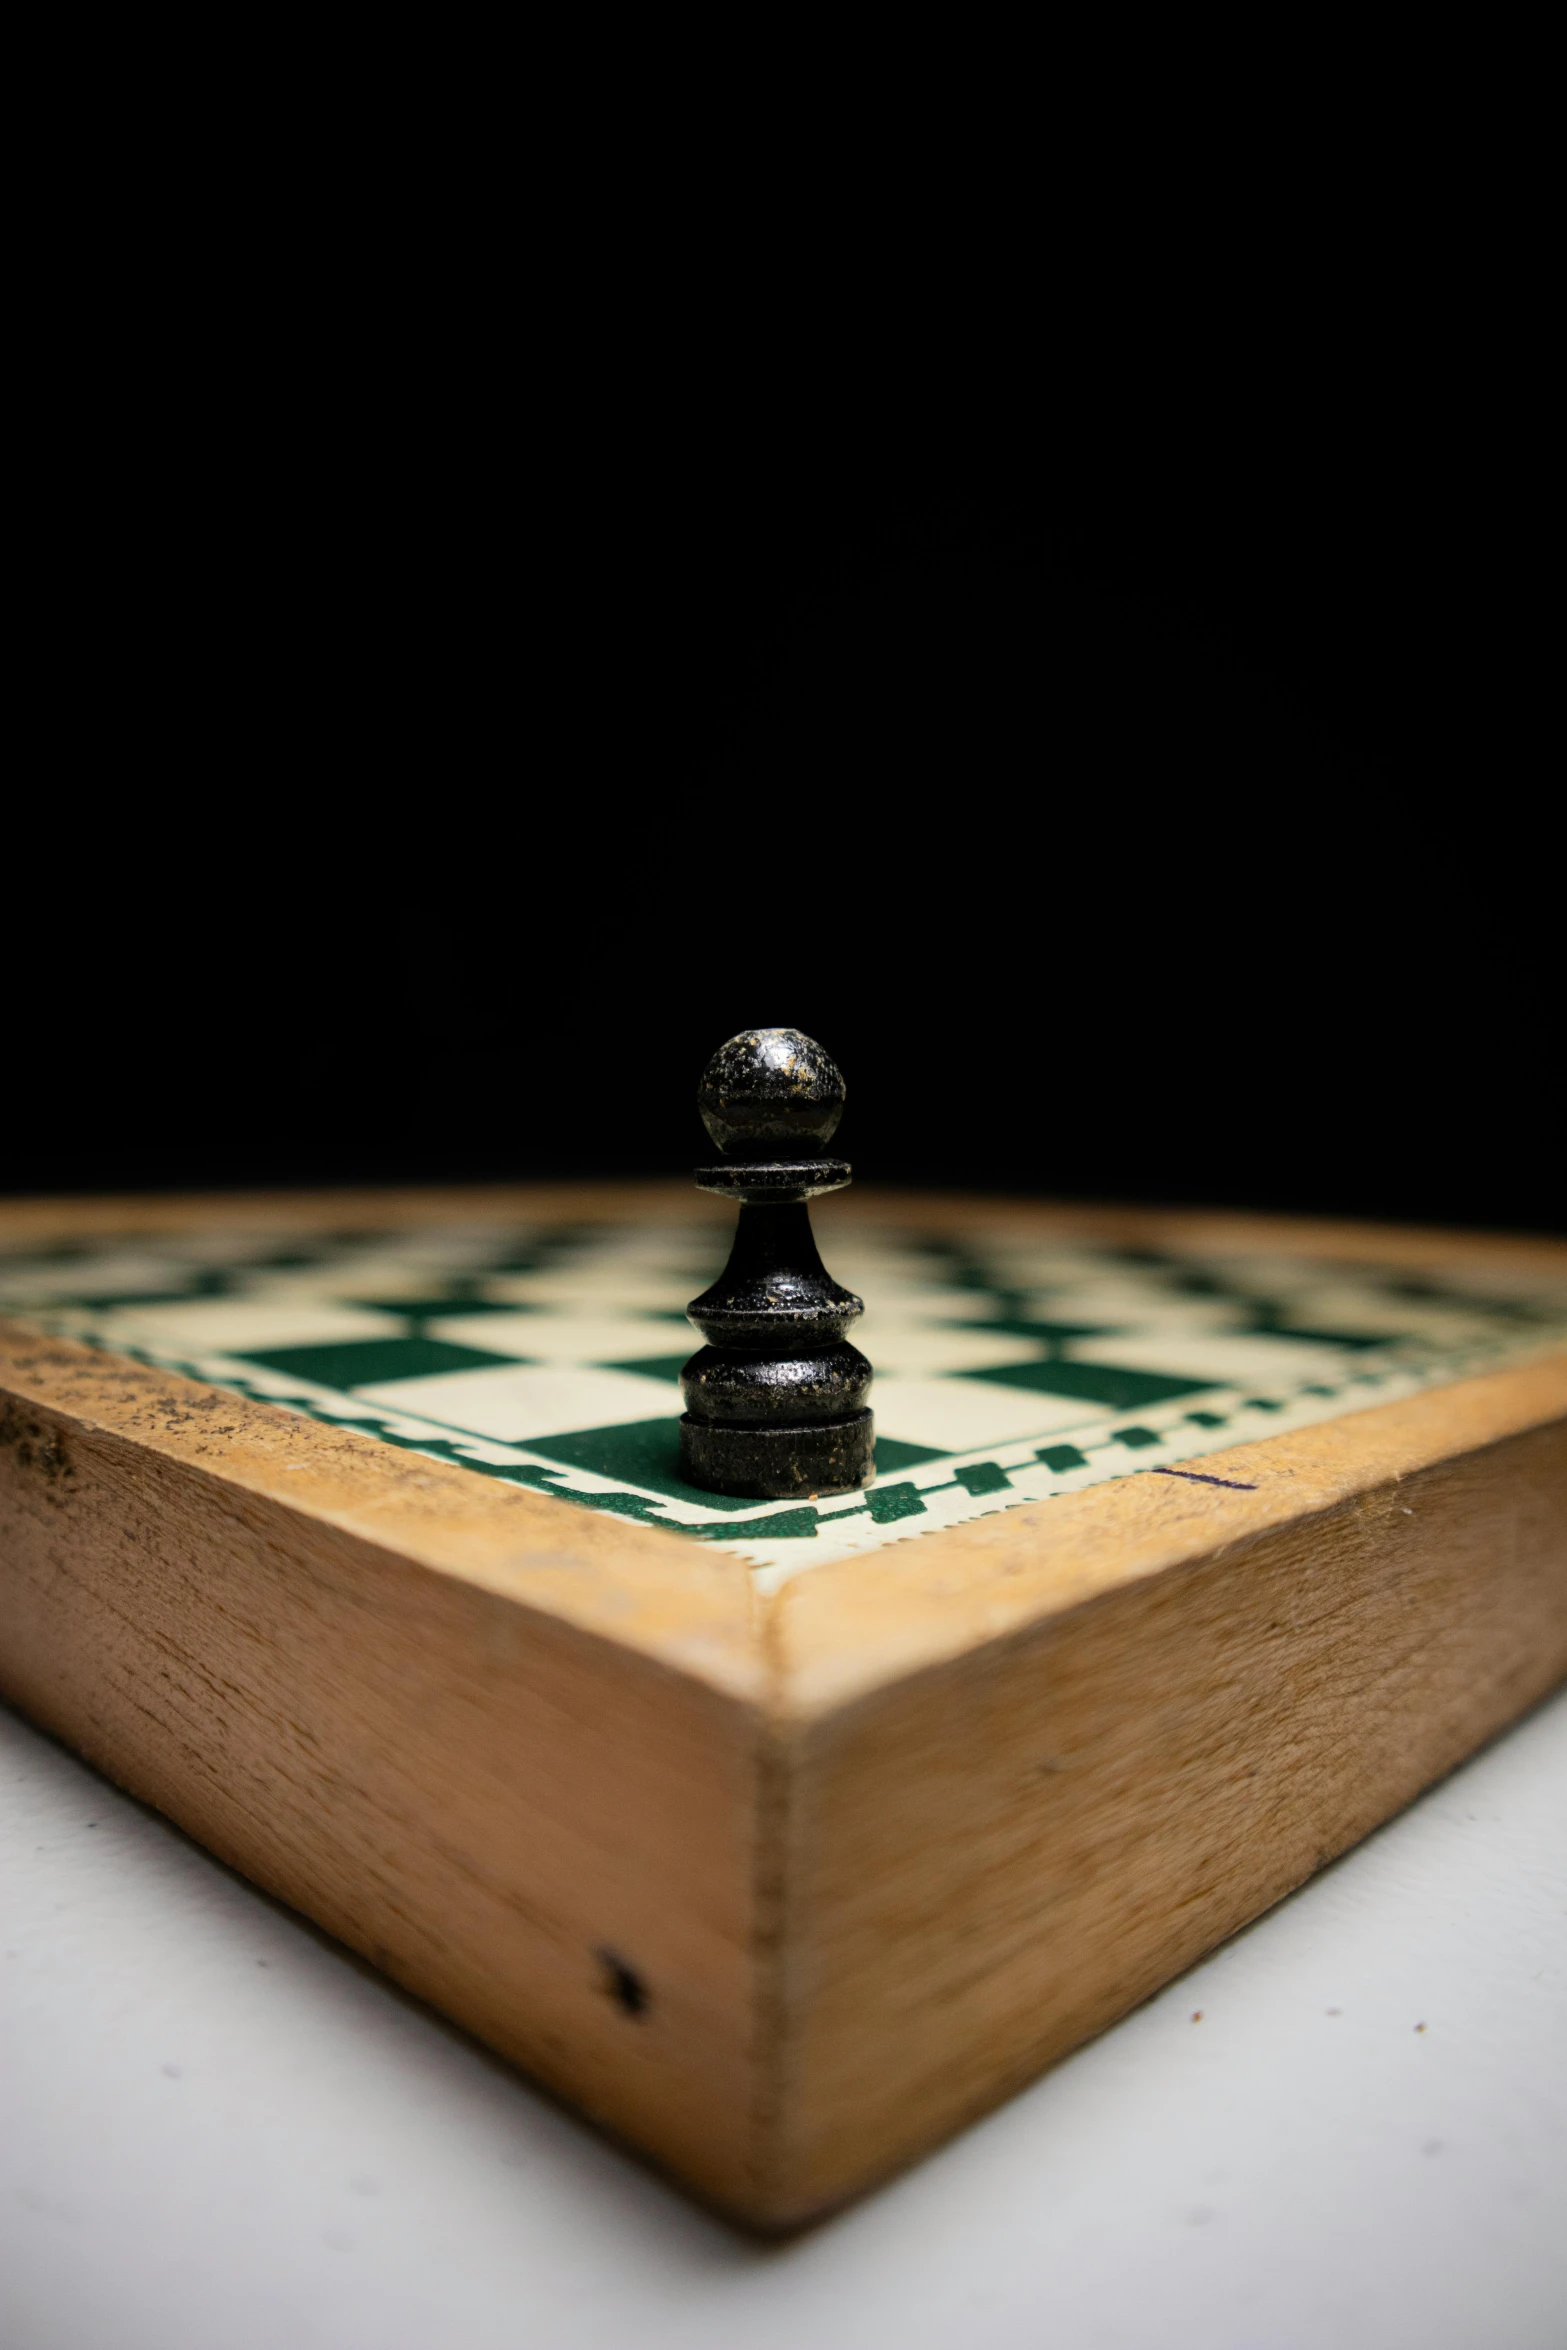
pixel 781 1838
pixel 1008 1370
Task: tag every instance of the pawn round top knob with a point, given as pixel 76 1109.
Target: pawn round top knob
pixel 770 1093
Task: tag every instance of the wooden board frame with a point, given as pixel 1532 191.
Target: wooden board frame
pixel 780 1889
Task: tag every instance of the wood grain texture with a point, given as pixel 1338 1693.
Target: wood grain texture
pixel 874 1849
pixel 997 1851
pixel 392 1694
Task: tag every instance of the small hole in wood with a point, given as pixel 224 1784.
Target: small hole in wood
pixel 623 1984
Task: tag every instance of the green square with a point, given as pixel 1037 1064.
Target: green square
pixel 1104 1383
pixel 983 1477
pixel 1360 1340
pixel 365 1362
pixel 783 1526
pixel 893 1454
pixel 887 1503
pixel 140 1297
pixel 1136 1438
pixel 644 1452
pixel 420 1309
pixel 654 1366
pixel 1058 1458
pixel 1051 1335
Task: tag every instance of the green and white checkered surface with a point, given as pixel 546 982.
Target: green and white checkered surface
pixel 549 1356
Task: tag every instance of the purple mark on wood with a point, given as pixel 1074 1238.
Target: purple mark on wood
pixel 1198 1477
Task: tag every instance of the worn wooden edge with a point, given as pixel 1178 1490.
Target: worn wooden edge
pixel 834 1631
pixel 484 1798
pixel 851 1626
pixel 683 1603
pixel 371 1208
pixel 994 1858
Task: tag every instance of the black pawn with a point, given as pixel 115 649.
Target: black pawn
pixel 775 1401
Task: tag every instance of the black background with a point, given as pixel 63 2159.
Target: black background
pixel 1135 809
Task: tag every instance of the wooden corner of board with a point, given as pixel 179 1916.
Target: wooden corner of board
pixel 842 1631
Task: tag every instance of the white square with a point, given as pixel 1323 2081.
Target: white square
pixel 596 1289
pixel 906 1352
pixel 929 1305
pixel 242 1325
pixel 1241 1360
pixel 568 1338
pixel 1356 1306
pixel 960 1415
pixel 1123 1305
pixel 122 1273
pixel 517 1401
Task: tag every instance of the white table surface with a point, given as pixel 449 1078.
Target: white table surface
pixel 222 2133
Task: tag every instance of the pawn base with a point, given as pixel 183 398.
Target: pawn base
pixel 778 1464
